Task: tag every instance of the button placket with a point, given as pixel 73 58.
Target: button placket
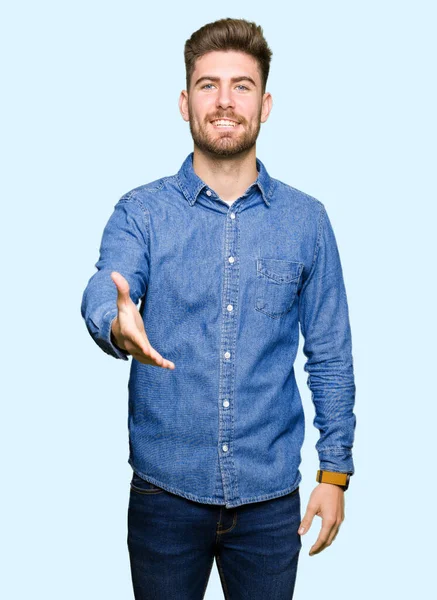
pixel 228 360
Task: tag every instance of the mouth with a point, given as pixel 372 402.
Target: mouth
pixel 226 124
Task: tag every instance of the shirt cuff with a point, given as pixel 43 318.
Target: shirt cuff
pixel 339 461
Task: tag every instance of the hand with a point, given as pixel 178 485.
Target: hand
pixel 326 501
pixel 128 328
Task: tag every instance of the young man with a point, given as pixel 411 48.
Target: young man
pixel 226 261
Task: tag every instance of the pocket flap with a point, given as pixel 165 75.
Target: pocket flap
pixel 280 271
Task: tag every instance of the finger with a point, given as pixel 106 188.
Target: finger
pixel 122 285
pixel 321 544
pixel 156 358
pixel 150 356
pixel 137 341
pixel 333 535
pixel 154 362
pixel 334 532
pixel 160 361
pixel 322 541
pixel 307 520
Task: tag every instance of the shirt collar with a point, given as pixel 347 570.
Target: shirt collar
pixel 191 184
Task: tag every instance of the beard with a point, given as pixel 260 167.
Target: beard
pixel 224 143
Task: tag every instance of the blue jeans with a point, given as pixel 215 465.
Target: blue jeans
pixel 172 542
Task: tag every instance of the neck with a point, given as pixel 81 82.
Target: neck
pixel 228 176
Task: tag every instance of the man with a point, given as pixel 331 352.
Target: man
pixel 227 261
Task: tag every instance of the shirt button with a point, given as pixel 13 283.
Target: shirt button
pixel 231 259
pixel 227 354
pixel 226 403
pixel 232 215
pixel 208 192
pixel 225 448
pixel 230 307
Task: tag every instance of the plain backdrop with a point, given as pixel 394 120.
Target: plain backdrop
pixel 89 110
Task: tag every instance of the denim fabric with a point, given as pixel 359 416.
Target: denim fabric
pixel 172 543
pixel 222 290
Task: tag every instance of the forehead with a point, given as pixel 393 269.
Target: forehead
pixel 226 64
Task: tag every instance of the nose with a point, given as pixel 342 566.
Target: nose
pixel 224 97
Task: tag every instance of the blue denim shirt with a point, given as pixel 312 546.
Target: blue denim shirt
pixel 223 288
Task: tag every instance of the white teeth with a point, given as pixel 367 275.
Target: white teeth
pixel 224 123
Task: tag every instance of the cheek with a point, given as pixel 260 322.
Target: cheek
pixel 201 117
pixel 248 111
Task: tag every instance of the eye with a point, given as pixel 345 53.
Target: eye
pixel 239 85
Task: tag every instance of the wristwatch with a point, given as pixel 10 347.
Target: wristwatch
pixel 341 479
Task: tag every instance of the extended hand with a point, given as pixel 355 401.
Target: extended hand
pixel 128 328
pixel 326 501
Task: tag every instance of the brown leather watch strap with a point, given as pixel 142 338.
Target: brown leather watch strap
pixel 341 479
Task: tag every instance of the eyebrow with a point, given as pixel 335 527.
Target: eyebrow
pixel 233 79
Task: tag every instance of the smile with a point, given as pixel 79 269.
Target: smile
pixel 224 124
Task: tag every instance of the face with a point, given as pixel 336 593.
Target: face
pixel 225 85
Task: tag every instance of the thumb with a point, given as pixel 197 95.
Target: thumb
pixel 122 288
pixel 306 522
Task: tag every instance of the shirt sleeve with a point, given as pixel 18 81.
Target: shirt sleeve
pixel 325 326
pixel 124 248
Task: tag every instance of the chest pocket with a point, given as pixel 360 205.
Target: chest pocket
pixel 276 285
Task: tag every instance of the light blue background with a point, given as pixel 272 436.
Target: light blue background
pixel 89 111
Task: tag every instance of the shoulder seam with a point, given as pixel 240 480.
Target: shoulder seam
pixel 290 187
pixel 145 188
pixel 132 197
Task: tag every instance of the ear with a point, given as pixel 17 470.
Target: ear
pixel 183 105
pixel 267 104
